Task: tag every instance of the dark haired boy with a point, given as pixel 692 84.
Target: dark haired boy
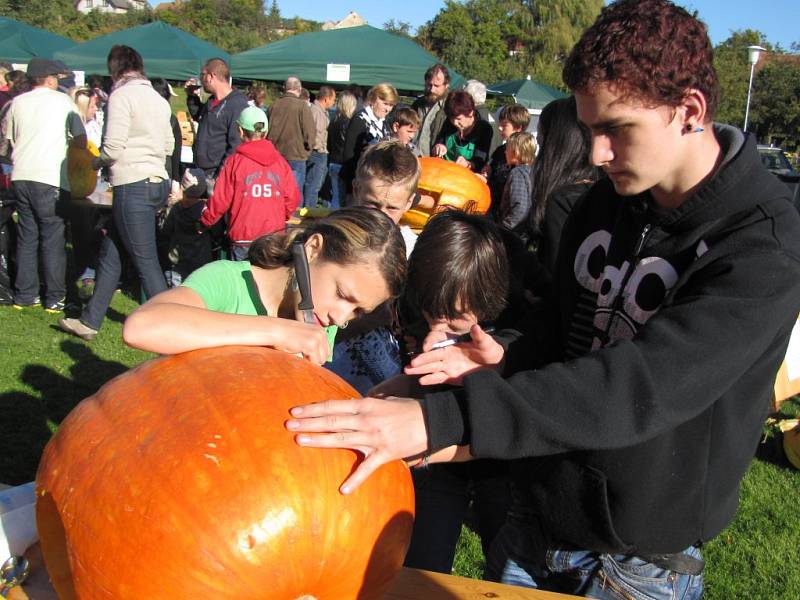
pixel 632 446
pixel 465 270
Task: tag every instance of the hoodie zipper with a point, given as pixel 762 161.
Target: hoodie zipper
pixel 617 304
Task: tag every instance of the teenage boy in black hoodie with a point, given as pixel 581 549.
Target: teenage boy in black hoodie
pixel 676 289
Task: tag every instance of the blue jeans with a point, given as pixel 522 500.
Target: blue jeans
pixel 367 359
pixel 239 252
pixel 337 185
pixel 41 209
pixel 298 168
pixel 516 559
pixel 316 167
pixel 133 230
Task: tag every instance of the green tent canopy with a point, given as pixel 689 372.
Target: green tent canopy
pixel 362 55
pixel 20 42
pixel 167 51
pixel 526 92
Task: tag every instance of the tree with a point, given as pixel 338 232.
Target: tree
pixel 733 70
pixel 58 16
pixel 402 28
pixel 233 25
pixel 470 38
pixel 775 103
pixel 274 19
pixel 508 39
pixel 550 29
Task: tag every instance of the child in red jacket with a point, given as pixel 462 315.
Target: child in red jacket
pixel 255 188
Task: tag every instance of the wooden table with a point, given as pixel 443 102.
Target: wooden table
pixel 410 584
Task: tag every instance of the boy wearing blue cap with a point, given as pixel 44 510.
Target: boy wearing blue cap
pixel 255 190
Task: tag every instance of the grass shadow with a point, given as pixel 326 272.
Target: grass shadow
pixel 28 420
pixel 23 419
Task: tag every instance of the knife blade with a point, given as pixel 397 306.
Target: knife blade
pixel 306 304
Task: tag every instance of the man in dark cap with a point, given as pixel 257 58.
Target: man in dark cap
pixel 41 123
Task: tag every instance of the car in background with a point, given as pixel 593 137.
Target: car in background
pixel 776 161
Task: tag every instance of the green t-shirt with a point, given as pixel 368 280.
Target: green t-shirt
pixel 228 286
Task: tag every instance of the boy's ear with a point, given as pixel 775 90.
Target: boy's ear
pixel 395 126
pixel 694 108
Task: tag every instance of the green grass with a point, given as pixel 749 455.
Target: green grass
pixel 44 373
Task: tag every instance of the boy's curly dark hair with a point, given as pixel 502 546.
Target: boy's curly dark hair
pixel 651 50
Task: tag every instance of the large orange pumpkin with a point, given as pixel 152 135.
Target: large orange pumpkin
pixel 451 186
pixel 177 480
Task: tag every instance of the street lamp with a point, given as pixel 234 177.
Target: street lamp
pixel 753 52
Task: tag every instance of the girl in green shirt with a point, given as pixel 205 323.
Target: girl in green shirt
pixel 356 262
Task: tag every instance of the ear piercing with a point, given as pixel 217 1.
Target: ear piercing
pixel 692 129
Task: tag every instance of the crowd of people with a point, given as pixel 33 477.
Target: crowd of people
pixel 586 350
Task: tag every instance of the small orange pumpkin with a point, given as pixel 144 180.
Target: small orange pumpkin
pixel 791 441
pixel 451 186
pixel 178 480
pixel 82 177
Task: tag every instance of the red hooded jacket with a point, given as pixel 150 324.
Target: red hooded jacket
pixel 257 189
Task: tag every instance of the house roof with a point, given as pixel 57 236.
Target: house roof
pixel 124 4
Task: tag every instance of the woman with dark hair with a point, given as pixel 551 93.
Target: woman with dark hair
pixel 356 262
pixel 137 141
pixel 561 174
pixel 466 138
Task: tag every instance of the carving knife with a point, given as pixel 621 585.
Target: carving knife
pixel 306 304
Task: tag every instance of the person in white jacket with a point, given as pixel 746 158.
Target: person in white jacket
pixel 138 138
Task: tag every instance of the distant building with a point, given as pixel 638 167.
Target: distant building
pixel 167 5
pixel 109 6
pixel 515 47
pixel 351 20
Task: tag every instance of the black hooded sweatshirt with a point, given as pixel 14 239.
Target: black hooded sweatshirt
pixel 635 442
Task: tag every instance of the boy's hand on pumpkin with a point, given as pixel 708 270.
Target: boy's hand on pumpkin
pixel 382 429
pixel 450 365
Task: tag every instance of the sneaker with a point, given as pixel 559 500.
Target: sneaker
pixel 55 307
pixel 85 288
pixel 19 306
pixel 75 327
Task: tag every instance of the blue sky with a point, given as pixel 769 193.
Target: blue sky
pixel 778 19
